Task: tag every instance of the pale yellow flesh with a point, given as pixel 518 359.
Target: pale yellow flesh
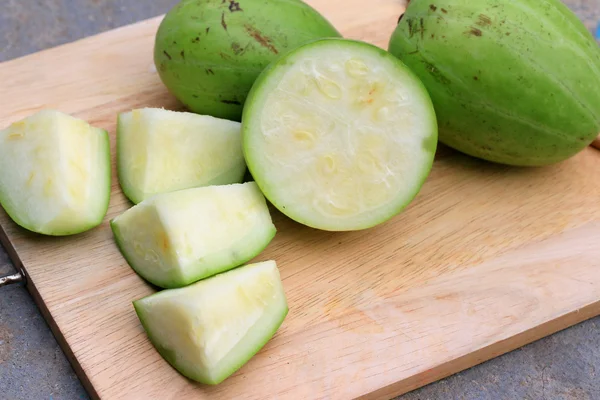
pixel 176 237
pixel 344 137
pixel 162 151
pixel 54 173
pixel 210 328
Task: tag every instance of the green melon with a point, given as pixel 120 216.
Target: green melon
pixel 513 82
pixel 208 53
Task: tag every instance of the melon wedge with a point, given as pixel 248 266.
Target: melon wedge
pixel 178 238
pixel 339 135
pixel 208 330
pixel 160 151
pixel 54 173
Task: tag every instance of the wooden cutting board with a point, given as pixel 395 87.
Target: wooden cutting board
pixel 486 259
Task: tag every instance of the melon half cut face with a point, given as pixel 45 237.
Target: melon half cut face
pixel 339 135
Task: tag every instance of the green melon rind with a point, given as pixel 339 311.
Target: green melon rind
pixel 511 82
pixel 208 56
pixel 261 241
pixel 128 190
pixel 102 205
pixel 280 310
pixel 252 160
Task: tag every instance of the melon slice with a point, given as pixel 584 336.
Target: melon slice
pixel 160 151
pixel 178 238
pixel 339 135
pixel 208 330
pixel 54 173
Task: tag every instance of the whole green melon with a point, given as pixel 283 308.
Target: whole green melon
pixel 512 81
pixel 209 53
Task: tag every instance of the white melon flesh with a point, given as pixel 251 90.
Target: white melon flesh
pixel 160 151
pixel 339 135
pixel 54 173
pixel 178 238
pixel 210 329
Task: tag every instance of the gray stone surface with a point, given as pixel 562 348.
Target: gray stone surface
pixel 565 366
pixel 562 366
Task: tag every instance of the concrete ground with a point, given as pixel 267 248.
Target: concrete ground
pixel 32 366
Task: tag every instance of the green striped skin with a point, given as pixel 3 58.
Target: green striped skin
pixel 209 53
pixel 514 82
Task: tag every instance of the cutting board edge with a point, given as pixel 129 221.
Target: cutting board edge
pixel 487 353
pixel 62 342
pixel 39 302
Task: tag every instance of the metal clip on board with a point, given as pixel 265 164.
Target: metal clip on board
pixel 18 277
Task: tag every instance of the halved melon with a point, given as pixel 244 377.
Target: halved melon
pixel 339 134
pixel 54 173
pixel 160 151
pixel 178 238
pixel 210 329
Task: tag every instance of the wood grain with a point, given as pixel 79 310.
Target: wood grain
pixel 486 259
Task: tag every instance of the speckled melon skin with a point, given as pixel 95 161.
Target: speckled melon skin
pixel 513 82
pixel 209 53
